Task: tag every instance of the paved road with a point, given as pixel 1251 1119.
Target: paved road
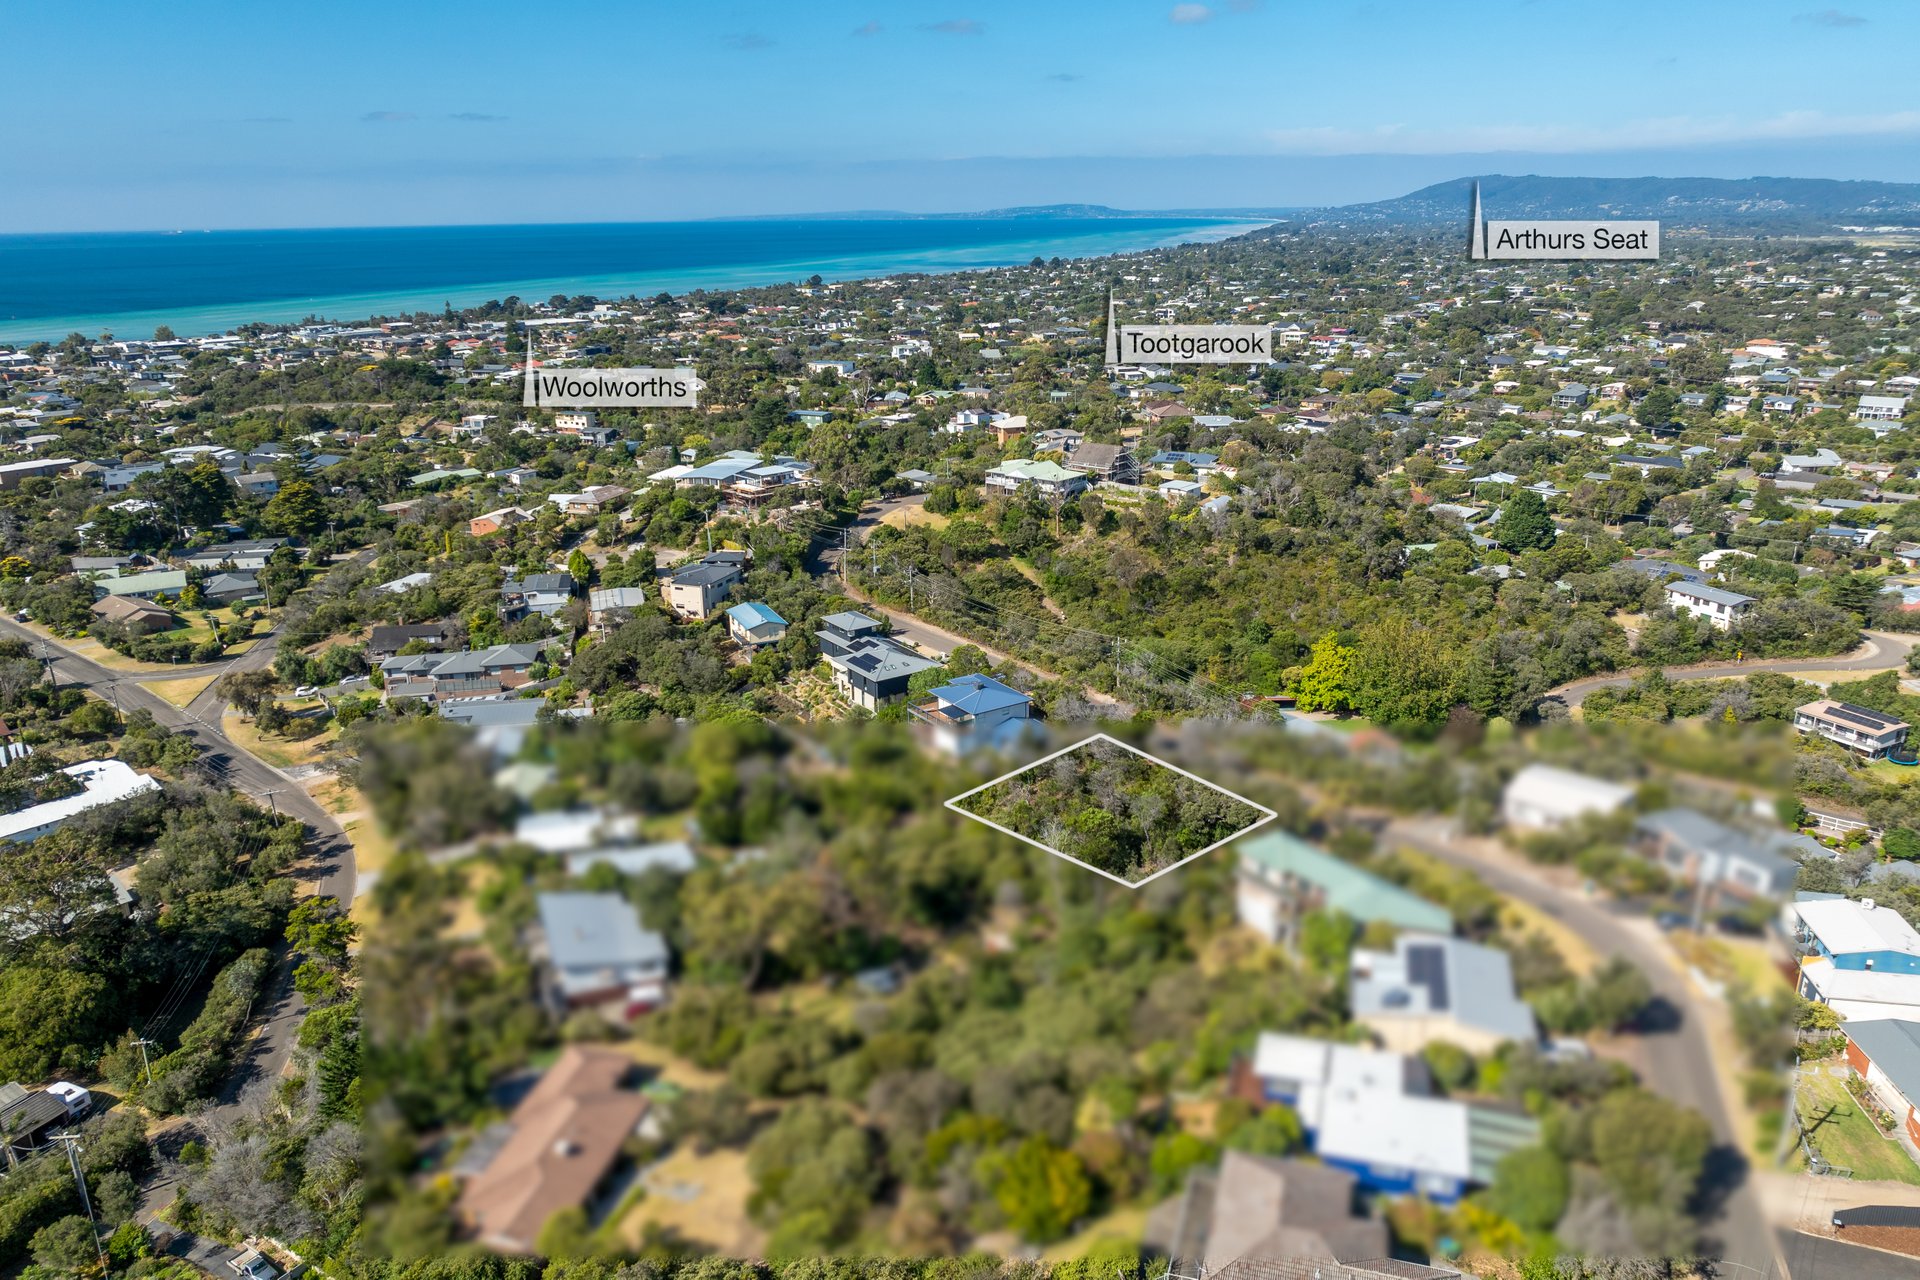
pixel 1679 1058
pixel 1882 650
pixel 330 853
pixel 1818 1258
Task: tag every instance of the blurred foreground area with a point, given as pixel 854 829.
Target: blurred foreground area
pixel 652 996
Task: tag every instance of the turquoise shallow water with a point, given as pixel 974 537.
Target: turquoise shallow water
pixel 209 282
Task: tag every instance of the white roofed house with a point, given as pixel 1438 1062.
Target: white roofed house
pixel 1720 607
pixel 102 782
pixel 1542 797
pixel 1859 958
pixel 1881 408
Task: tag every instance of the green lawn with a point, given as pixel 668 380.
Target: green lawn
pixel 1844 1135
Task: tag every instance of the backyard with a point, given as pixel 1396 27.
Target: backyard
pixel 1843 1133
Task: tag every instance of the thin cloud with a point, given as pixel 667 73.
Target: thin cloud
pixel 1189 15
pixel 475 117
pixel 957 27
pixel 868 29
pixel 1831 18
pixel 1065 77
pixel 1665 134
pixel 749 40
pixel 388 117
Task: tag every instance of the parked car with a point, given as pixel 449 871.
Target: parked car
pixel 306 691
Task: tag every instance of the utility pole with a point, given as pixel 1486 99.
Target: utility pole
pixel 844 539
pixel 143 1043
pixel 268 796
pixel 71 1141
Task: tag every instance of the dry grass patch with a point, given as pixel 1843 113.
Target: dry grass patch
pixel 702 1199
pixel 281 753
pixel 907 517
pixel 179 692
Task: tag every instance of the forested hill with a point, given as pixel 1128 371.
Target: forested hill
pixel 1778 205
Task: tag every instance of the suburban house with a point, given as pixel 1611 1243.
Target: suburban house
pixel 1720 607
pixel 1885 1052
pixel 231 588
pixel 1113 462
pixel 1697 849
pixel 143 586
pixel 869 669
pixel 598 954
pixel 754 624
pixel 1857 957
pixel 249 554
pixel 1263 1206
pixel 544 594
pixel 1432 987
pixel 590 501
pixel 30 1117
pixel 387 640
pixel 1542 797
pixel 1373 1114
pixel 558 1150
pixel 970 713
pixel 143 616
pixel 468 673
pixel 605 605
pixel 500 727
pixel 494 521
pixel 1572 396
pixel 1282 879
pixel 1881 409
pixel 1872 734
pixel 101 782
pixel 693 591
pixel 1049 479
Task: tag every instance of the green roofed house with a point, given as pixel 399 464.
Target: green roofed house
pixel 1283 878
pixel 437 475
pixel 142 586
pixel 1049 479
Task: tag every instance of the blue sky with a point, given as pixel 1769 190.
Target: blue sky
pixel 225 115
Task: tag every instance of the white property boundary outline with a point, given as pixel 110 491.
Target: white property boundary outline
pixel 953 803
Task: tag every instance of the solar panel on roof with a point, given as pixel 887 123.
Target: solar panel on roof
pixel 864 661
pixel 1427 967
pixel 1860 715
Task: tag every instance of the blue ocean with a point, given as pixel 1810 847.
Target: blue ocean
pixel 128 283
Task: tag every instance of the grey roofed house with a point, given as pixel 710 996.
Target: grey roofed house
pixel 501 725
pixel 1106 461
pixel 230 586
pixel 705 574
pixel 597 945
pixel 1660 570
pixel 1258 1207
pixel 1893 1046
pixel 1427 977
pixel 1693 845
pixel 388 640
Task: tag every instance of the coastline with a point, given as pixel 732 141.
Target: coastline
pixel 1113 236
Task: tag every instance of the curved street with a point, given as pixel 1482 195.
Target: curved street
pixel 1882 650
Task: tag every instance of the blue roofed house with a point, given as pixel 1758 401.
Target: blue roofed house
pixel 1433 988
pixel 973 712
pixel 753 624
pixel 1373 1113
pixel 1859 958
pixel 1282 879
